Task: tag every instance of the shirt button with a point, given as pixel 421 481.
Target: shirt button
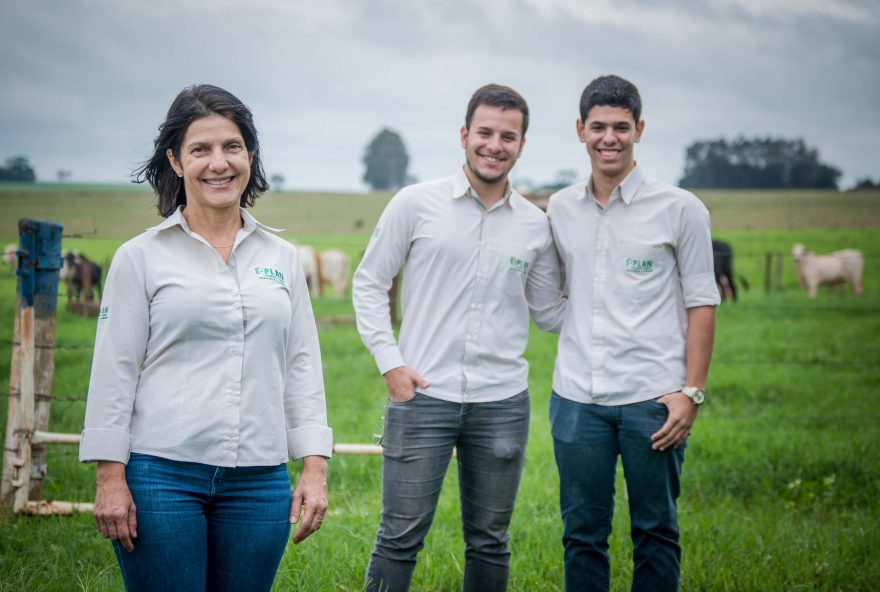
pixel 236 305
pixel 234 400
pixel 230 446
pixel 234 292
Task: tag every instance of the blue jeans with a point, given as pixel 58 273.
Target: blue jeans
pixel 587 439
pixel 420 434
pixel 205 528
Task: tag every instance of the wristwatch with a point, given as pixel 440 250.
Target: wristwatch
pixel 697 396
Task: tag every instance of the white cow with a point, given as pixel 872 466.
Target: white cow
pixel 834 269
pixel 9 256
pixel 334 270
pixel 311 265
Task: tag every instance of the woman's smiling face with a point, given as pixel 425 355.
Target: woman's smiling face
pixel 214 162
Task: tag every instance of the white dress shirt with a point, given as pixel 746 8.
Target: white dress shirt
pixel 196 360
pixel 631 270
pixel 470 278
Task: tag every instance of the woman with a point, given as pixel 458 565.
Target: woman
pixel 206 375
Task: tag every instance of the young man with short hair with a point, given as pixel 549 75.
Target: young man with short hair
pixel 634 351
pixel 477 258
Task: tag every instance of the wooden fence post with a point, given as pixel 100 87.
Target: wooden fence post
pixel 33 361
pixel 779 262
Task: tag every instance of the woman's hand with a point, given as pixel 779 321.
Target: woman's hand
pixel 115 512
pixel 309 498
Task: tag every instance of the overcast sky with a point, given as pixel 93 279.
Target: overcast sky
pixel 85 83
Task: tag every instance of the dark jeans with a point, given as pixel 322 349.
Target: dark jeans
pixel 205 528
pixel 420 434
pixel 587 439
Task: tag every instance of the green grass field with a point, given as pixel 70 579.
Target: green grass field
pixel 782 477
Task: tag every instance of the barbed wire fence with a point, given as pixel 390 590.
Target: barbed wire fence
pixel 766 264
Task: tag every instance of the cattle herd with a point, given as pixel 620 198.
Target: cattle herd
pixel 834 269
pixel 82 276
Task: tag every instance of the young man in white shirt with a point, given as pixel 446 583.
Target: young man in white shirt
pixel 634 350
pixel 477 258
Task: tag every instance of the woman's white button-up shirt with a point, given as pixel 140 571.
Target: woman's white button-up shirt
pixel 202 361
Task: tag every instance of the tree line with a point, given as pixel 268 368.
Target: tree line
pixel 17 169
pixel 756 163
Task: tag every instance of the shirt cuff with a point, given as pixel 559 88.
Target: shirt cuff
pixel 700 290
pixel 104 444
pixel 310 441
pixel 388 358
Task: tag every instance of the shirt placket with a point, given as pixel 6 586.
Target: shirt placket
pixel 599 342
pixel 475 311
pixel 234 364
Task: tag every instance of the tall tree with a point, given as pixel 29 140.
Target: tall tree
pixel 277 181
pixel 757 163
pixel 386 160
pixel 18 169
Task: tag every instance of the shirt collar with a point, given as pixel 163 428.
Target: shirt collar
pixel 630 185
pixel 461 187
pixel 627 188
pixel 249 223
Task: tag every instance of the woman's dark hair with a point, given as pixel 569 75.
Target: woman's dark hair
pixel 195 102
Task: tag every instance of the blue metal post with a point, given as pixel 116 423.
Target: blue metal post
pixel 33 360
pixel 39 260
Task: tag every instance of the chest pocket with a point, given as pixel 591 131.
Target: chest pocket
pixel 511 266
pixel 641 272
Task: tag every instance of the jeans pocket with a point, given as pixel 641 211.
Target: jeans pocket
pixel 517 399
pixel 406 402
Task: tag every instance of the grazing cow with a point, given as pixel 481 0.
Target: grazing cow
pixel 10 257
pixel 311 265
pixel 834 269
pixel 334 270
pixel 82 276
pixel 722 253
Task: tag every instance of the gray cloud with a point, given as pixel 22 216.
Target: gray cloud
pixel 86 82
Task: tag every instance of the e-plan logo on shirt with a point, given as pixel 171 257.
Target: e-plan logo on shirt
pixel 104 313
pixel 639 265
pixel 267 273
pixel 519 265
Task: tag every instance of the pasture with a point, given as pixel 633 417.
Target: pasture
pixel 782 475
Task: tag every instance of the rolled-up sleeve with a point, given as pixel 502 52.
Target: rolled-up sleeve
pixel 305 408
pixel 382 261
pixel 694 256
pixel 120 346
